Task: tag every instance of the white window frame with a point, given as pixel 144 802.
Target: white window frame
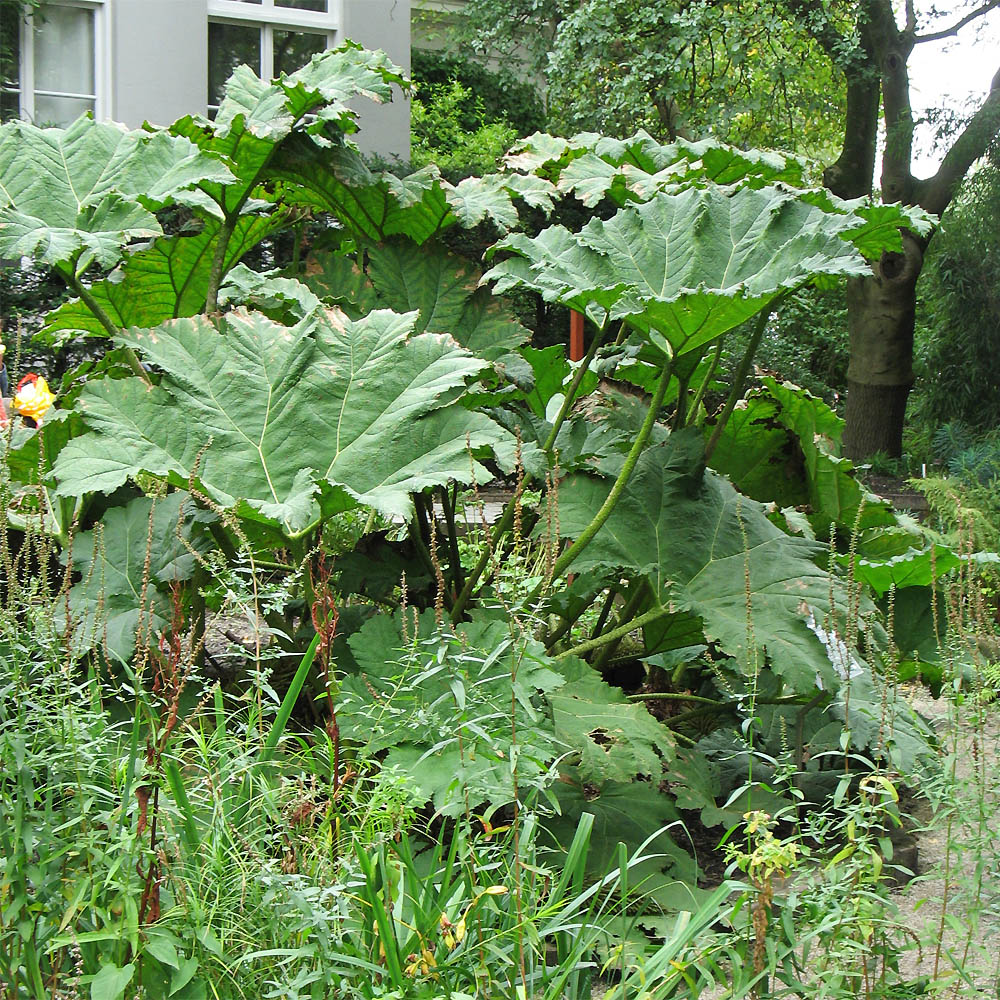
pixel 101 56
pixel 267 16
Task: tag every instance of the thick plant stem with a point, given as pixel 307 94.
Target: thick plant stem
pixel 506 521
pixel 570 555
pixel 631 604
pixel 448 506
pixel 219 263
pixel 616 633
pixel 740 377
pixel 706 381
pixel 572 390
pixel 87 298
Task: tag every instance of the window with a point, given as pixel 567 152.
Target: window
pixel 270 36
pixel 50 63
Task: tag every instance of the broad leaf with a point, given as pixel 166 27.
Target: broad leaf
pixel 781 445
pixel 439 284
pixel 630 813
pixel 441 704
pixel 616 740
pixel 71 197
pixel 690 266
pixel 279 418
pixel 375 206
pixel 256 117
pixel 697 540
pixel 166 281
pixel 116 594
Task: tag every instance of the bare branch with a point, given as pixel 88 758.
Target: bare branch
pixel 935 193
pixel 933 36
pixel 911 18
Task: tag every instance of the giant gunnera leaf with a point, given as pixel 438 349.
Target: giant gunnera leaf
pixel 707 549
pixel 126 566
pixel 782 445
pixel 439 284
pixel 276 419
pixel 73 196
pixel 685 266
pixel 689 266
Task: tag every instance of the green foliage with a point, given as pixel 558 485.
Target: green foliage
pixel 745 74
pixel 460 141
pixel 226 423
pixel 783 446
pixel 492 97
pixel 370 377
pixel 698 540
pixel 961 318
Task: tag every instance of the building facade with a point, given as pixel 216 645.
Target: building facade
pixel 156 60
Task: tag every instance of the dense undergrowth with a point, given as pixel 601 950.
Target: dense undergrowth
pixel 283 716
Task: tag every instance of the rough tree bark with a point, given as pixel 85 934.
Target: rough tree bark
pixel 881 308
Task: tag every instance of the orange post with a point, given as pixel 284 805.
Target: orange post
pixel 575 336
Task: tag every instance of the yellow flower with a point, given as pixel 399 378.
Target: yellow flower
pixel 33 397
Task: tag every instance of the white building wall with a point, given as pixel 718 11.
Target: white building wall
pixel 159 63
pixel 382 24
pixel 159 69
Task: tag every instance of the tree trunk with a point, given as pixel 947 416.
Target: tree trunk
pixel 880 313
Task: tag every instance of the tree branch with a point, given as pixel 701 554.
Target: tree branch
pixel 892 50
pixel 935 193
pixel 933 36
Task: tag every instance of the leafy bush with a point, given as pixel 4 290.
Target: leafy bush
pixel 251 424
pixel 960 334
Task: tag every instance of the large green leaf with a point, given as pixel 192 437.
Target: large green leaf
pixel 782 445
pixel 632 813
pixel 698 540
pixel 74 196
pixel 166 281
pixel 126 566
pixel 593 167
pixel 279 417
pixel 615 740
pixel 690 266
pixel 440 703
pixel 439 284
pixel 374 206
pixel 257 117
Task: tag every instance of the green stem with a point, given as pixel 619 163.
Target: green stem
pixel 706 381
pixel 631 604
pixel 219 260
pixel 571 554
pixel 741 374
pixel 672 696
pixel 569 620
pixel 87 298
pixel 573 388
pixel 502 526
pixel 506 521
pixel 602 618
pixel 616 633
pixel 680 414
pixel 456 560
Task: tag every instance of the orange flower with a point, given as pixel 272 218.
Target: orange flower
pixel 33 397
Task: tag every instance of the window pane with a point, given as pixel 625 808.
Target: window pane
pixel 229 46
pixel 293 49
pixel 60 110
pixel 303 4
pixel 64 50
